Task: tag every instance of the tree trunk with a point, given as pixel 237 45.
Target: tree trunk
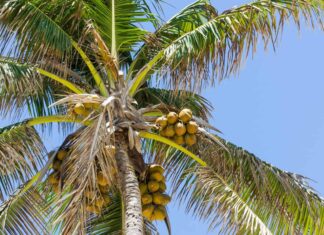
pixel 132 219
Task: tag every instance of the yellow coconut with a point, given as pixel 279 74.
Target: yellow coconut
pixel 169 131
pixel 61 154
pixel 103 189
pixel 162 187
pixel 93 209
pixel 162 133
pixel 190 139
pixel 153 186
pixel 147 211
pixel 101 179
pixel 180 129
pixel 53 178
pixel 159 213
pixel 56 164
pixel 80 109
pixel 156 176
pixel 143 188
pixel 110 150
pixel 90 194
pixel 147 199
pixel 99 202
pixel 161 199
pixel 161 122
pixel 156 168
pixel 192 127
pixel 172 117
pixel 185 115
pixel 179 140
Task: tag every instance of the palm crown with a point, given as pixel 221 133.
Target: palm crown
pixel 89 66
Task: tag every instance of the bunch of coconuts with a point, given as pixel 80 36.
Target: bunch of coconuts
pixel 152 191
pixel 179 128
pixel 95 200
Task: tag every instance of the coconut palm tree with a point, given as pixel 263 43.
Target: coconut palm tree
pixel 90 67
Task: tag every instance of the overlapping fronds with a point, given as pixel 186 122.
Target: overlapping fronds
pixel 216 48
pixel 181 99
pixel 21 155
pixel 244 193
pixel 23 212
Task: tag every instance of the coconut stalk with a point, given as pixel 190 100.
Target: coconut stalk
pixel 133 223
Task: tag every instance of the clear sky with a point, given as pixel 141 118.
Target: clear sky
pixel 273 108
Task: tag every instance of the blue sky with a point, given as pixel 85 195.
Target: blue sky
pixel 273 108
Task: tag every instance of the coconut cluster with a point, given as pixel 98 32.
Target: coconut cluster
pixel 152 191
pixel 178 127
pixel 96 200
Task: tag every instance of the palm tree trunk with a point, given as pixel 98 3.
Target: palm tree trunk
pixel 132 219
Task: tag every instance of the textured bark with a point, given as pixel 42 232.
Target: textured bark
pixel 133 223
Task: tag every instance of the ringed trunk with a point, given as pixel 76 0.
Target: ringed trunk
pixel 133 223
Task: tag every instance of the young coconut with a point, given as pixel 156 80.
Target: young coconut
pixel 143 188
pixel 99 202
pixel 179 140
pixel 180 129
pixel 156 176
pixel 61 154
pixel 172 117
pixel 80 109
pixel 161 122
pixel 190 139
pixel 54 178
pixel 169 131
pixel 162 187
pixel 159 213
pixel 153 186
pixel 147 211
pixel 161 199
pixel 185 115
pixel 192 127
pixel 163 133
pixel 147 199
pixel 156 168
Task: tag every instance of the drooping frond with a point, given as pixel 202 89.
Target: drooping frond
pixel 244 193
pixel 21 155
pixel 217 47
pixel 23 212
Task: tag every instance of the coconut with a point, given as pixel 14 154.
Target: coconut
pixel 159 213
pixel 80 109
pixel 56 164
pixel 101 179
pixel 162 133
pixel 103 189
pixel 61 154
pixel 169 131
pixel 147 211
pixel 179 140
pixel 161 199
pixel 185 115
pixel 156 168
pixel 143 188
pixel 192 127
pixel 162 187
pixel 156 176
pixel 161 122
pixel 190 139
pixel 153 186
pixel 93 209
pixel 110 150
pixel 172 117
pixel 53 178
pixel 99 202
pixel 147 199
pixel 180 129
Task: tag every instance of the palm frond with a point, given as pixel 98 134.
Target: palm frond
pixel 216 48
pixel 22 154
pixel 244 193
pixel 23 212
